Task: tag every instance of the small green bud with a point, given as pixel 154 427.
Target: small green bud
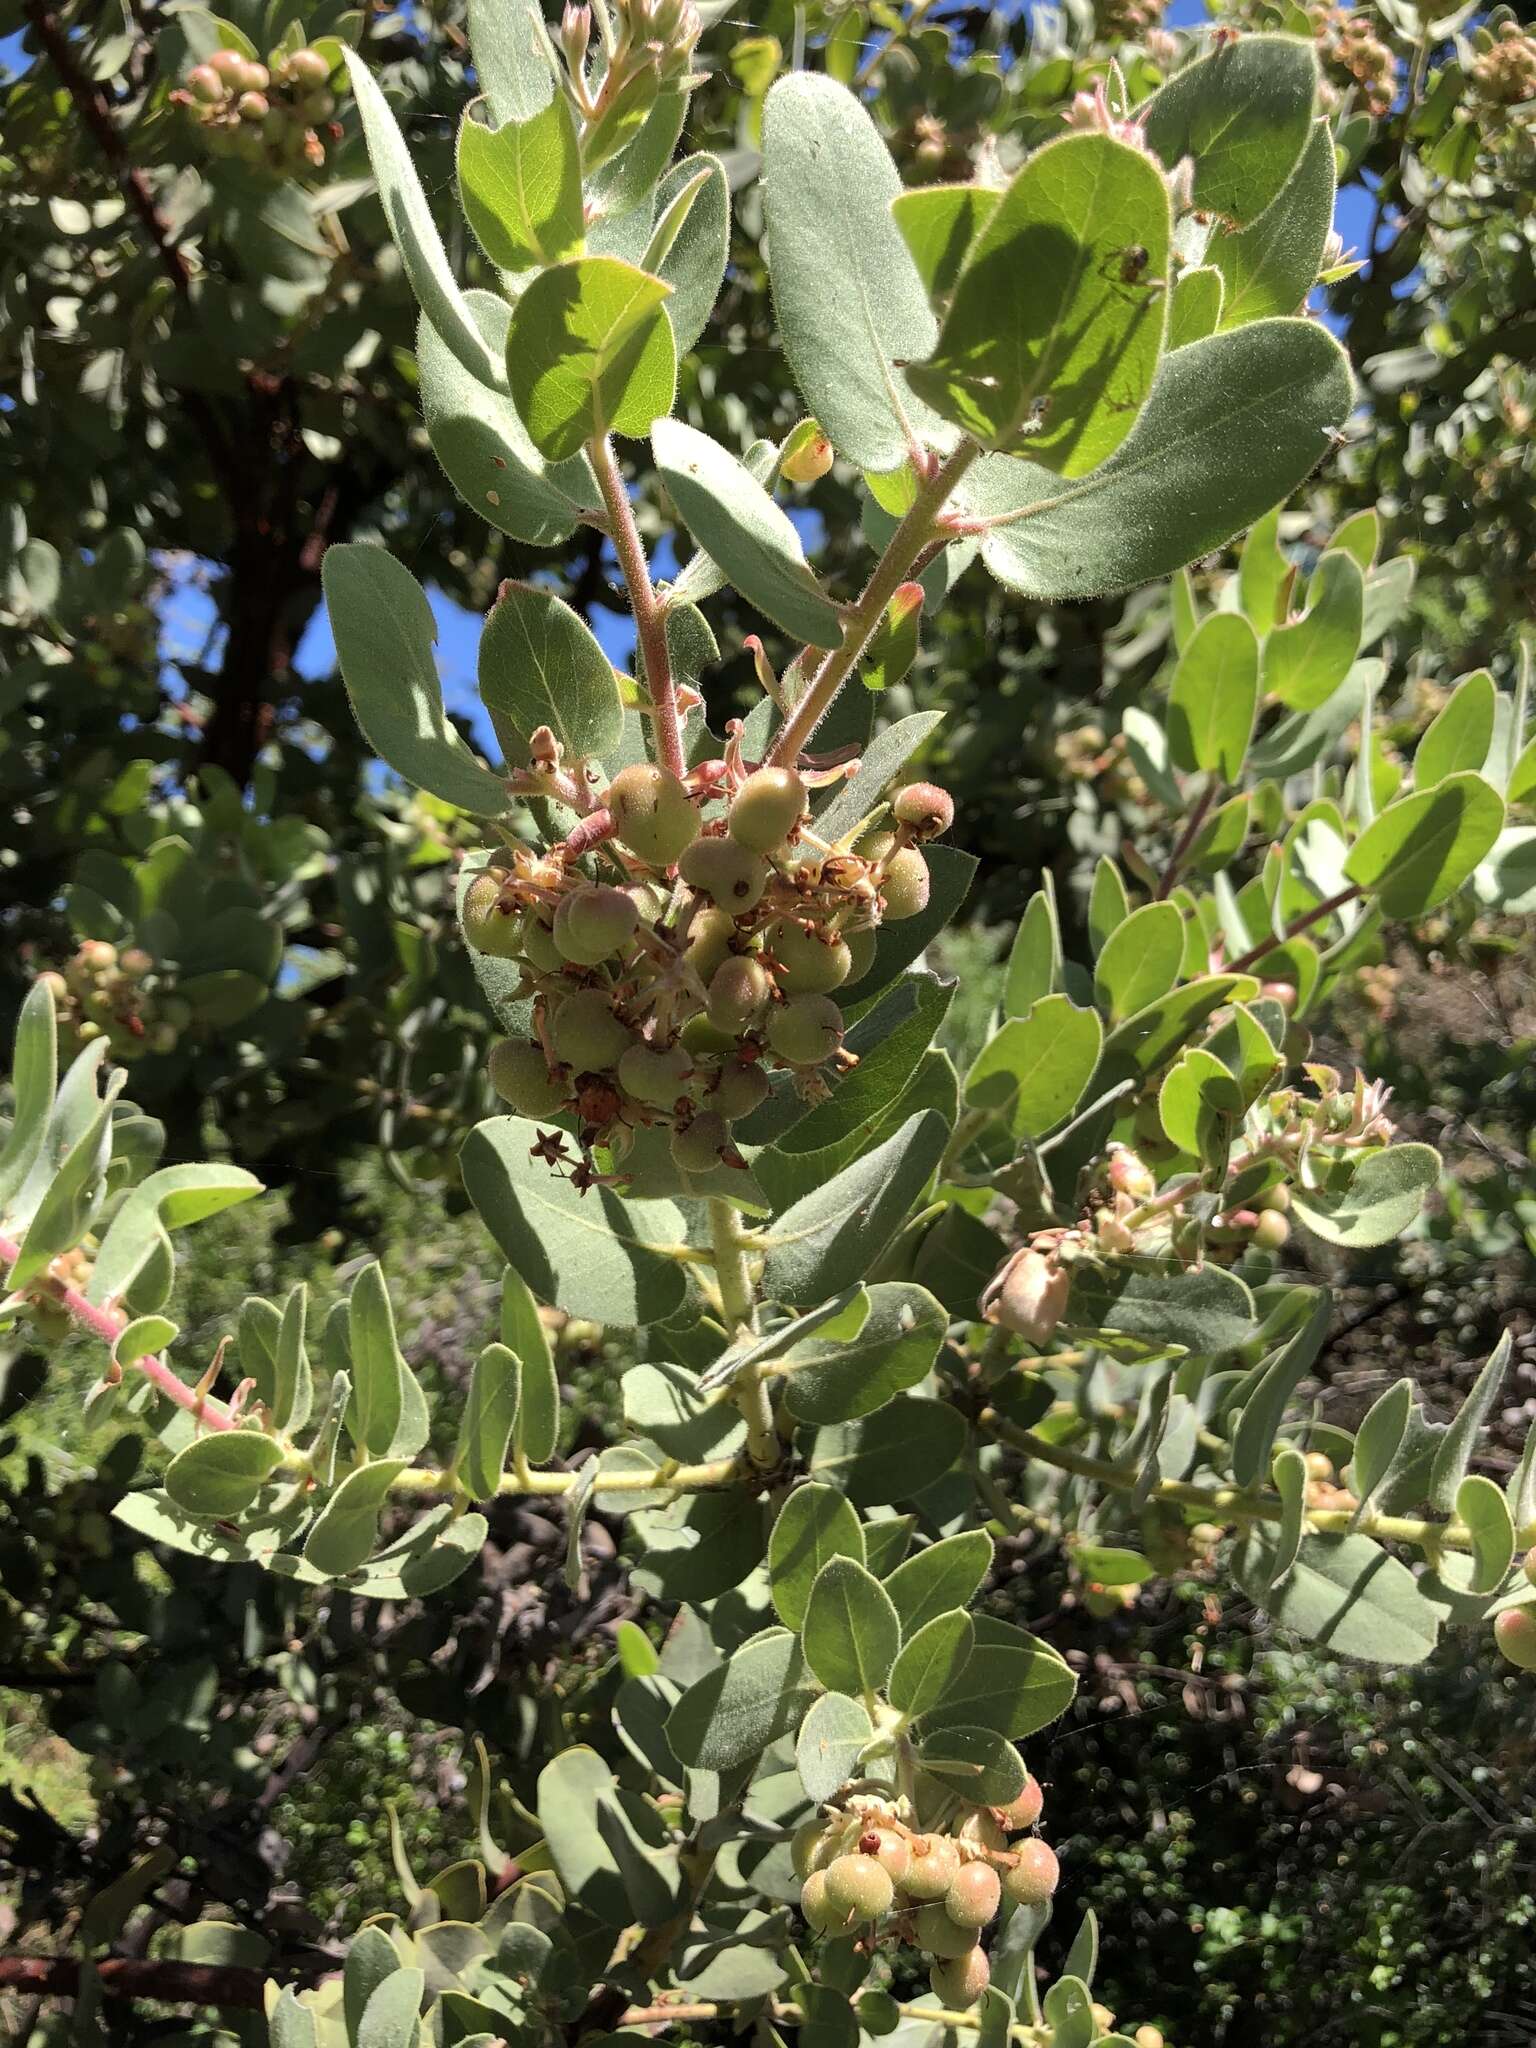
pixel 585 1033
pixel 906 884
pixel 768 807
pixel 1515 1633
pixel 725 872
pixel 958 1981
pixel 491 924
pixel 1035 1876
pixel 857 1884
pixel 806 1030
pixel 698 1147
pixel 935 1859
pixel 520 1075
pixel 738 990
pixel 653 814
pixel 939 1935
pixel 810 460
pixel 594 923
pixel 808 964
pixel 975 1895
pixel 655 1075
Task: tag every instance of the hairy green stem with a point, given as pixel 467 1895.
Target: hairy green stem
pixel 749 1389
pixel 650 615
pixel 901 552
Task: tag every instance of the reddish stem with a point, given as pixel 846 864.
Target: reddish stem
pixel 1293 931
pixel 650 617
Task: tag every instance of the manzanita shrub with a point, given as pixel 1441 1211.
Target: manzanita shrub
pixel 881 1309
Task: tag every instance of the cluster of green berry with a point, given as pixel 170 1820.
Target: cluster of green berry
pixel 119 996
pixel 701 954
pixel 276 116
pixel 862 1865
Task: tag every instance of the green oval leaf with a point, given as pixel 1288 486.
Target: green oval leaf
pixel 590 352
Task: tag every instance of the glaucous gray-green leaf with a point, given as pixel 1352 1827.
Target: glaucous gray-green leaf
pixel 930 1661
pixel 590 352
pixel 943 1576
pixel 1141 960
pixel 733 1713
pixel 1455 1450
pixel 833 1378
pixel 1214 697
pixel 978 1763
pixel 850 1633
pixel 1484 1510
pixel 540 665
pixel 894 1454
pixel 171 1198
pixel 1035 958
pixel 1270 265
pixel 694 264
pixel 1232 425
pixel 512 57
pixel 814 1525
pixel 490 1413
pixel 1194 309
pixel 747 535
pixel 828 1239
pixel 371 1957
pixel 1244 113
pixel 1275 1381
pixel 573 1790
pixel 849 301
pixel 1378 1440
pixel 414 231
pixel 1033 1071
pixel 384 632
pixel 1053 336
pixel 827 1747
pixel 592 1254
pixel 1344 1592
pixel 1203 1309
pixel 520 186
pixel 347 1527
pixel 34 1080
pixel 1013 1683
pixel 939 223
pixel 1371 1202
pixel 1288 1476
pixel 378 1370
pixel 221 1475
pixel 1422 848
pixel 1307 659
pixel 663 1402
pixel 392 2016
pixel 1460 734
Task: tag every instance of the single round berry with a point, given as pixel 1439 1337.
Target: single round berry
pixel 861 951
pixel 975 1895
pixel 308 67
pixel 1515 1633
pixel 593 924
pixel 1528 1565
pixel 875 846
pixel 710 937
pixel 891 1851
pixel 818 1908
pixel 810 460
pixel 537 946
pixel 1148 2037
pixel 1025 1810
pixel 228 65
pixel 655 1075
pixel 738 989
pixel 805 1847
pixel 958 1981
pixel 491 923
pixel 857 1884
pixel 981 1831
pixel 767 808
pixel 1035 1876
pixel 1103 2018
pixel 585 1033
pixel 653 814
pixel 808 963
pixel 906 884
pixel 935 1931
pixel 935 1859
pixel 1270 1232
pixel 520 1075
pixel 924 808
pixel 702 1039
pixel 253 106
pixel 1277 1199
pixel 205 84
pixel 697 1147
pixel 737 1090
pixel 806 1030
pixel 726 872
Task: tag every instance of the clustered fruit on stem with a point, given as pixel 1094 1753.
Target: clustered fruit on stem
pixel 684 942
pixel 124 997
pixel 274 117
pixel 865 1863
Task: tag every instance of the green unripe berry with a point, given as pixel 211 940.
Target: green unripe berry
pixel 653 814
pixel 808 1840
pixel 1270 1231
pixel 1515 1633
pixel 738 1090
pixel 701 1038
pixel 806 1030
pixel 726 873
pixel 586 1035
pixel 974 1897
pixel 818 1909
pixel 808 965
pixel 318 106
pixel 857 1885
pixel 1024 1811
pixel 924 808
pixel 810 460
pixel 768 807
pixel 906 884
pixel 1035 1876
pixel 861 951
pixel 934 1862
pixel 891 1851
pixel 697 1147
pixel 593 924
pixel 1528 1565
pixel 537 946
pixel 655 1075
pixel 520 1075
pixel 981 1831
pixel 228 65
pixel 309 67
pixel 958 1981
pixel 205 84
pixel 738 990
pixel 935 1931
pixel 710 937
pixel 875 846
pixel 253 106
pixel 491 924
